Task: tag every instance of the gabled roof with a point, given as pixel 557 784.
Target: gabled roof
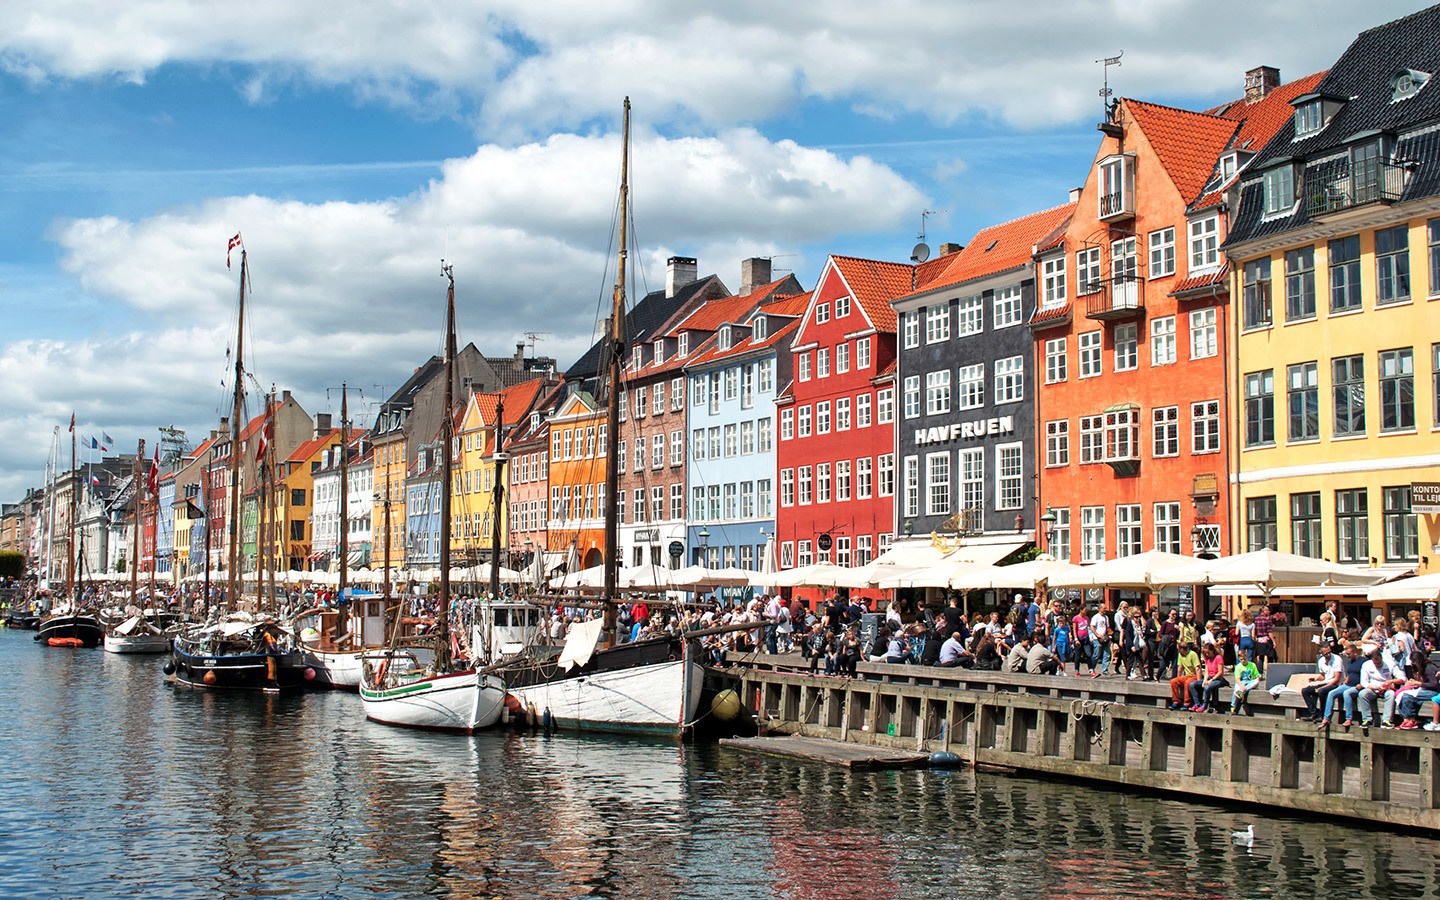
pixel 311 447
pixel 1002 247
pixel 653 310
pixel 793 305
pixel 1197 283
pixel 711 315
pixel 710 352
pixel 1186 143
pixel 874 284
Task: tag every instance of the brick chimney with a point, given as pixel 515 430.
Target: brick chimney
pixel 1260 81
pixel 520 351
pixel 679 271
pixel 754 272
pixel 322 424
pixel 947 248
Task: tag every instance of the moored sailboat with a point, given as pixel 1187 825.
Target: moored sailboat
pixel 72 625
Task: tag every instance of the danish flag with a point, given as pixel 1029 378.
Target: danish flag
pixel 234 242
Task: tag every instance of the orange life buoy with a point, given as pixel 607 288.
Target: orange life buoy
pixel 380 672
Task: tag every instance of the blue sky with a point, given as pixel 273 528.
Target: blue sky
pixel 354 146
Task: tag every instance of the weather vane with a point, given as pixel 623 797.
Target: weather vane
pixel 1105 92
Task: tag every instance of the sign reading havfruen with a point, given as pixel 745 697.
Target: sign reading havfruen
pixel 965 430
pixel 1425 497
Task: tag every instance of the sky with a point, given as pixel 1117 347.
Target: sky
pixel 356 145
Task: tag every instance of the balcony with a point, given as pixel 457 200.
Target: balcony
pixel 1335 188
pixel 1116 205
pixel 1116 298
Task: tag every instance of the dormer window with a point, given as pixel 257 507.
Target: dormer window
pixel 1308 118
pixel 822 313
pixel 1407 83
pixel 1117 187
pixel 1228 164
pixel 758 329
pixel 842 307
pixel 637 357
pixel 1279 184
pixel 724 337
pixel 682 344
pixel 534 421
pixel 659 351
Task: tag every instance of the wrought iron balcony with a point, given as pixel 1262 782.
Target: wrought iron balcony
pixel 1117 297
pixel 1335 188
pixel 1117 205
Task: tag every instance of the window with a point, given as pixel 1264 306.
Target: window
pixel 1257 308
pixel 1060 534
pixel 1279 188
pixel 732 443
pixel 1161 245
pixel 767 375
pixel 1124 274
pixel 1260 408
pixel 640 454
pixel 677 394
pixel 641 403
pixel 1260 521
pixel 732 383
pixel 1092 534
pixel 1300 284
pixel 713 441
pixel 1092 439
pixel 864 477
pixel 862 354
pixel 677 501
pixel 885 468
pixel 912 396
pixel 822 313
pixel 864 548
pixel 1167 527
pixel 1204 243
pixel 1057 443
pixel 937 324
pixel 1162 341
pixel 1435 384
pixel 803 366
pixel 677 448
pixel 971 314
pixel 912 486
pixel 1054 281
pixel 787 424
pixel 657 451
pixel 807 485
pixel 842 413
pixel 1347 381
pixel 1308 119
pixel 764 440
pixel 1397 390
pixel 1089 350
pixel 971 386
pixel 762 498
pixel 698 390
pixel 1345 274
pixel 1205 426
pixel 972 485
pixel 1087 270
pixel 842 307
pixel 1116 186
pixel 862 410
pixel 657 502
pixel 885 406
pixel 1202 333
pixel 1007 307
pixel 747 438
pixel 1009 477
pixel 1127 529
pixel 1392 265
pixel 1122 434
pixel 1126 347
pixel 787 487
pixel 910 327
pixel 804 421
pixel 1056 360
pixel 822 362
pixel 639 505
pixel 937 392
pixel 1010 379
pixel 937 480
pixel 842 481
pixel 1305 524
pixel 822 417
pixel 805 557
pixel 1402 530
pixel 714 392
pixel 1352 526
pixel 1434 228
pixel 1165 431
pixel 1302 401
pixel 747 386
pixel 842 358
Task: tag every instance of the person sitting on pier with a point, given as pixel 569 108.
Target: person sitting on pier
pixel 848 652
pixel 1018 655
pixel 1376 683
pixel 1041 660
pixel 953 652
pixel 1205 693
pixel 1350 664
pixel 1247 676
pixel 1424 686
pixel 987 654
pixel 1189 662
pixel 1329 670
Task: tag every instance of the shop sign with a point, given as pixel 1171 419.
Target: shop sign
pixel 939 434
pixel 1425 497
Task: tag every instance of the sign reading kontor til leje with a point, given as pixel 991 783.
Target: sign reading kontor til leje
pixel 1425 497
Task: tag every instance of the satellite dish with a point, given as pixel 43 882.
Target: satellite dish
pixel 920 253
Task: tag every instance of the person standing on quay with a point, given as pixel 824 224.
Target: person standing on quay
pixel 1099 643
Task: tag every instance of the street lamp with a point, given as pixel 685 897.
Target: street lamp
pixel 1047 523
pixel 704 537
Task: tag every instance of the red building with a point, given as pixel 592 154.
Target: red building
pixel 1132 332
pixel 836 447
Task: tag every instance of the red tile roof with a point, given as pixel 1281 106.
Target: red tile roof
pixel 714 313
pixel 874 284
pixel 1201 281
pixel 311 447
pixel 792 305
pixel 1054 315
pixel 710 351
pixel 1002 247
pixel 1261 119
pixel 1186 143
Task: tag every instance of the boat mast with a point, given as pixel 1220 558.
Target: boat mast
pixel 232 582
pixel 135 536
pixel 273 531
pixel 263 497
pixel 70 583
pixel 612 412
pixel 209 544
pixel 52 465
pixel 342 617
pixel 496 499
pixel 389 449
pixel 447 475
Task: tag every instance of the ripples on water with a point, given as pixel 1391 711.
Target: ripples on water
pixel 117 786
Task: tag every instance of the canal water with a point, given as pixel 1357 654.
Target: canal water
pixel 114 785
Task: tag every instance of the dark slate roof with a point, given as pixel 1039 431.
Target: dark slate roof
pixel 654 310
pixel 1364 74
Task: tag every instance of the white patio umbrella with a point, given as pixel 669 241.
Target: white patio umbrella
pixel 1270 569
pixel 823 574
pixel 1027 575
pixel 768 567
pixel 1142 571
pixel 941 575
pixel 1408 590
pixel 646 577
pixel 593 577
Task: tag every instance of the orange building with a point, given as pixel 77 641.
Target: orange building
pixel 577 479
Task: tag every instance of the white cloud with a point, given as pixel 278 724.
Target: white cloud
pixel 350 290
pixel 537 66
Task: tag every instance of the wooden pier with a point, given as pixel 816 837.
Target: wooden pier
pixel 1106 730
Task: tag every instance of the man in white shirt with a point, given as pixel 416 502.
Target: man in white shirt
pixel 1330 669
pixel 1376 682
pixel 1099 643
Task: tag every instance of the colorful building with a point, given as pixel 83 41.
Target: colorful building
pixel 528 475
pixel 576 524
pixel 295 496
pixel 472 503
pixel 1336 253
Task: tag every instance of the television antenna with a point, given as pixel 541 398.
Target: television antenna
pixel 533 338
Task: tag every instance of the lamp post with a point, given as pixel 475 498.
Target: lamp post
pixel 704 537
pixel 1047 522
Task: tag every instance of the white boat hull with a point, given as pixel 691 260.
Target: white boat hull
pixel 342 670
pixel 138 643
pixel 659 698
pixel 464 702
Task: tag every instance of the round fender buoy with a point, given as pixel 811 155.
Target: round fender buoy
pixel 725 706
pixel 309 674
pixel 169 667
pixel 512 704
pixel 944 759
pixel 547 721
pixel 209 678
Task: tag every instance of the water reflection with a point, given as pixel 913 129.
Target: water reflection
pixel 117 786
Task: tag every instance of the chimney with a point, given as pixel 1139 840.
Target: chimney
pixel 520 351
pixel 754 272
pixel 322 424
pixel 1075 194
pixel 224 426
pixel 947 249
pixel 679 271
pixel 1260 81
pixel 284 396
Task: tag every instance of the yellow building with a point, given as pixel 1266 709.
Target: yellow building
pixel 1335 251
pixel 291 531
pixel 473 492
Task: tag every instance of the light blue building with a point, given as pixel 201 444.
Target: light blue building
pixel 165 529
pixel 422 509
pixel 734 379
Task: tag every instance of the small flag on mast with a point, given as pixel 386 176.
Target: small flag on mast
pixel 72 423
pixel 267 431
pixel 152 484
pixel 234 242
pixel 106 441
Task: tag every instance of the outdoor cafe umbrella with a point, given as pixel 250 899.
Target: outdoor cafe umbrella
pixel 1270 569
pixel 1141 571
pixel 1408 590
pixel 1028 575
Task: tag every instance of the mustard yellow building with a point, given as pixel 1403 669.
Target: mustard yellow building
pixel 1335 254
pixel 473 492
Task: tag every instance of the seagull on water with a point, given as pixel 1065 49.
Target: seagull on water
pixel 1246 837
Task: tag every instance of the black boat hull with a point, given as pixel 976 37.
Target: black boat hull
pixel 65 630
pixel 238 672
